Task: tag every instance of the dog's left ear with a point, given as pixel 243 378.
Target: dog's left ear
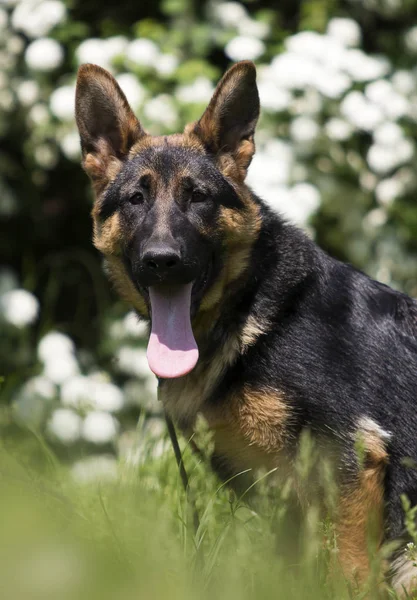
pixel 228 123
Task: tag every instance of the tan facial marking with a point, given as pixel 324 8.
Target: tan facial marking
pixel 108 236
pixel 124 286
pixel 240 231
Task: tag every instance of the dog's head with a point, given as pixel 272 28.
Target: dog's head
pixel 172 216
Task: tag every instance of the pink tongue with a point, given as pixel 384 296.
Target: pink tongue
pixel 172 349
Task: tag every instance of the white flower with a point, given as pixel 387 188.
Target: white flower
pixel 19 307
pixel 296 70
pixel 230 14
pixel 92 392
pixel 410 39
pixel 30 404
pixel 133 326
pixel 44 54
pixel 383 159
pixel 15 44
pixel 252 28
pixel 166 64
pixel 104 395
pixel 345 31
pixel 404 82
pixel 70 145
pixel 99 428
pixel 40 386
pixel 338 129
pixel 62 102
pixel 65 425
pixel 272 97
pixel 134 91
pixel 368 180
pixel 92 51
pixel 8 280
pixel 101 52
pixel 270 166
pixel 362 67
pixel 95 468
pixel 55 344
pixel 305 199
pixel 142 52
pixel 198 92
pixel 143 394
pixel 331 83
pixel 38 114
pixel 161 110
pixel 360 112
pixel 28 92
pixel 75 391
pixel 46 155
pixel 388 190
pixel 115 46
pixel 244 47
pixel 296 204
pixel 311 44
pixel 391 102
pixel 6 100
pixel 3 20
pixel 37 17
pixel 388 134
pixel 293 71
pixel 61 368
pixel 304 130
pixel 375 218
pixel 132 361
pixel 377 91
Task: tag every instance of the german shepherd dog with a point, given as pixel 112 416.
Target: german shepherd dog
pixel 252 324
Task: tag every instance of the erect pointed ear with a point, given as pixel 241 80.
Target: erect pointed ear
pixel 107 125
pixel 228 123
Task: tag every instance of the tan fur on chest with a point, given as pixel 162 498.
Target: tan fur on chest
pixel 250 429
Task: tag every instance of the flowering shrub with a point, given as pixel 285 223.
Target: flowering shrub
pixel 336 148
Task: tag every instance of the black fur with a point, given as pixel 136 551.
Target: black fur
pixel 340 346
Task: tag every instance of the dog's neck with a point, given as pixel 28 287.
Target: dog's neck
pixel 251 304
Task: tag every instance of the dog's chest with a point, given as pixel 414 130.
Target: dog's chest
pixel 249 425
pixel 250 430
pixel 184 398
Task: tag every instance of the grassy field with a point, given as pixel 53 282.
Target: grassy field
pixel 130 535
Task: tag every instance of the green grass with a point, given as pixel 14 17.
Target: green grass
pixel 133 537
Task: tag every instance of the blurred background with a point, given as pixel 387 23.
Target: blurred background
pixel 336 155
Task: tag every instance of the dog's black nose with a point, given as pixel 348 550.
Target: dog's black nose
pixel 161 259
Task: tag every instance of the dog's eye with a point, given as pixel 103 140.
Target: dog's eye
pixel 136 198
pixel 198 196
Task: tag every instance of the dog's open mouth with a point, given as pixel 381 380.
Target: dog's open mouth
pixel 172 349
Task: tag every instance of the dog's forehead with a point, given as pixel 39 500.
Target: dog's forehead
pixel 168 159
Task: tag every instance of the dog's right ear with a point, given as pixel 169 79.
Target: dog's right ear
pixel 107 125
